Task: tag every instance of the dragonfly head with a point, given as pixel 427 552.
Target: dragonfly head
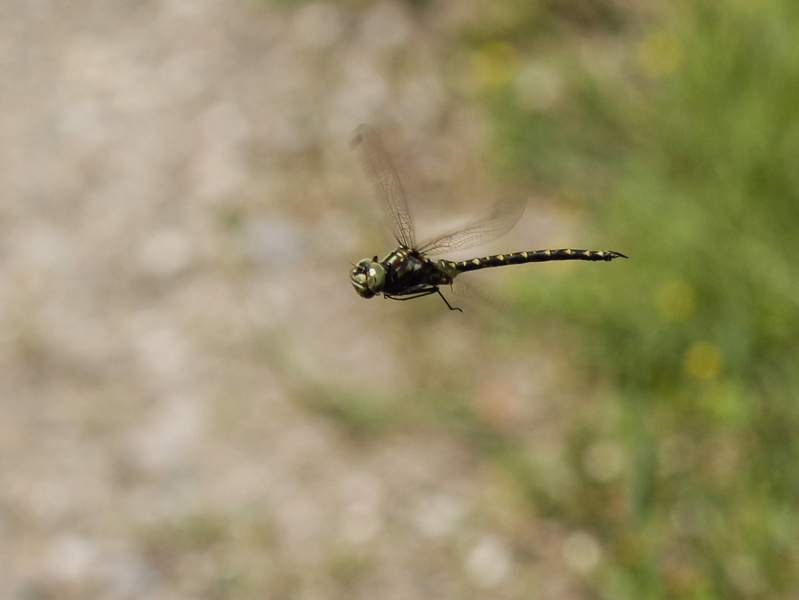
pixel 368 277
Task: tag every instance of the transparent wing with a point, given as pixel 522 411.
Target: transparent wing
pixel 490 225
pixel 388 184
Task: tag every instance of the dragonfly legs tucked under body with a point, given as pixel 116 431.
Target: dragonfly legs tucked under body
pixel 426 291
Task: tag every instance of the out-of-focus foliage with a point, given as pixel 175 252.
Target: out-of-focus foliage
pixel 681 145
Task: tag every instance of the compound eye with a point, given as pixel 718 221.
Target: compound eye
pixel 375 277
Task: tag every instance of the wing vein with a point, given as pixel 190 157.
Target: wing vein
pixel 388 184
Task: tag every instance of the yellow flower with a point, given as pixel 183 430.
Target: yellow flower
pixel 703 360
pixel 659 55
pixel 494 64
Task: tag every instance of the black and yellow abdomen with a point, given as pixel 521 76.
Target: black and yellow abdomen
pixel 520 258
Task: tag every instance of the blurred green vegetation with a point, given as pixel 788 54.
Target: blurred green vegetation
pixel 678 141
pixel 675 139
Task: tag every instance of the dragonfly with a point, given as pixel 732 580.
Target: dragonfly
pixel 407 272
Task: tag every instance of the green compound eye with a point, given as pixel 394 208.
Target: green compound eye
pixel 375 277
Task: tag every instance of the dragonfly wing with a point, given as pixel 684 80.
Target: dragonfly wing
pixel 389 186
pixel 495 222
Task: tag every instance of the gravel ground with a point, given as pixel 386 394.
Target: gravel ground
pixel 178 214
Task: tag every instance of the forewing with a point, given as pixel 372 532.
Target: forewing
pixel 387 182
pixel 490 225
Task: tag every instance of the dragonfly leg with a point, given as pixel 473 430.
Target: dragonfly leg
pixel 421 292
pixel 413 295
pixel 447 303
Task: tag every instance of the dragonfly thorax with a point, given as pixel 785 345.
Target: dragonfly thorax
pixel 368 277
